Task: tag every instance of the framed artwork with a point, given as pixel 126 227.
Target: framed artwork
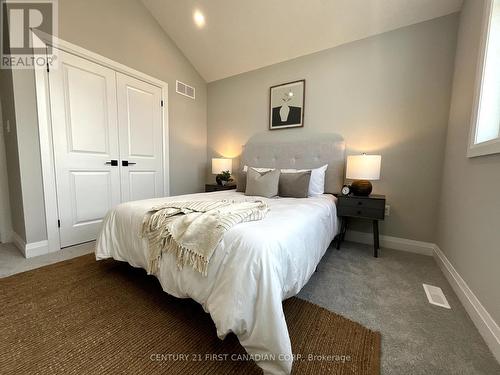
pixel 286 105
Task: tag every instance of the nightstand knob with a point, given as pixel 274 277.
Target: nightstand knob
pixel 360 203
pixel 359 212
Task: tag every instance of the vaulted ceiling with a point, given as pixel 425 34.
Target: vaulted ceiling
pixel 243 35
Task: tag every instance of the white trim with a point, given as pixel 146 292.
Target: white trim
pixel 166 144
pixel 396 243
pixel 47 159
pixel 99 59
pixel 19 242
pixel 45 127
pixel 35 249
pixel 493 146
pixel 483 321
pixel 484 148
pixel 32 249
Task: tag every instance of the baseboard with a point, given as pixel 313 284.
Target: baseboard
pixel 396 243
pixel 488 328
pixel 19 242
pixel 32 249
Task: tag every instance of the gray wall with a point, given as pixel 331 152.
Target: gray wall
pixel 29 156
pixel 5 220
pixel 11 153
pixel 387 94
pixel 469 218
pixel 22 148
pixel 122 30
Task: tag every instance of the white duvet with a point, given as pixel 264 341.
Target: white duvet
pixel 256 266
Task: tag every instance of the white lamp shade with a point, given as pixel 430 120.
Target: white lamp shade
pixel 220 165
pixel 363 167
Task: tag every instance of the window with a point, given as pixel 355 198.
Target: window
pixel 485 130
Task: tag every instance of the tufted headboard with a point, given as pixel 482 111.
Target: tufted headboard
pixel 301 150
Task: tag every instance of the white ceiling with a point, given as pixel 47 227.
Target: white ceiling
pixel 243 35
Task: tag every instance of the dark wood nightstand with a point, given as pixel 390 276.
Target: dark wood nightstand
pixel 369 208
pixel 215 187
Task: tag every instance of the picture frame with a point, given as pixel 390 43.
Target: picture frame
pixel 286 105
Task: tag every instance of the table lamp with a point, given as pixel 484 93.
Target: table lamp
pixel 362 169
pixel 222 167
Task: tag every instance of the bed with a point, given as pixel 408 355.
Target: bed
pixel 257 264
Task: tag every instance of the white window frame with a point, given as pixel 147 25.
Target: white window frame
pixel 491 146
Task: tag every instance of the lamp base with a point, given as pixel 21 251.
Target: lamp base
pixel 361 188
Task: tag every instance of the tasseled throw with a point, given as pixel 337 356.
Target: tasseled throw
pixel 192 230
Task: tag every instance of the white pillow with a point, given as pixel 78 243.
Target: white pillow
pixel 261 170
pixel 317 181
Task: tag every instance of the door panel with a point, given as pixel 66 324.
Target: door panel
pixel 85 136
pixel 141 122
pixel 91 195
pixel 142 185
pixel 86 118
pixel 141 138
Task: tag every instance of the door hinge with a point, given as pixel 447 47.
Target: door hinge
pixel 48 69
pixel 161 103
pixel 59 223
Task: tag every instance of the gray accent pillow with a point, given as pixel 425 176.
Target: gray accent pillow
pixel 294 185
pixel 241 184
pixel 263 184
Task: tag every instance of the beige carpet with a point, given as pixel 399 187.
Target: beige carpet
pixel 86 317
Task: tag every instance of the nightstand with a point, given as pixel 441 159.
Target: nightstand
pixel 368 208
pixel 215 187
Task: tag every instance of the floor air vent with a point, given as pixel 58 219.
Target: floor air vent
pixel 436 296
pixel 186 90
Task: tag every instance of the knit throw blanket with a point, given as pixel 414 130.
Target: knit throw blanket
pixel 192 230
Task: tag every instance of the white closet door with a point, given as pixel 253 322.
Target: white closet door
pixel 85 135
pixel 141 138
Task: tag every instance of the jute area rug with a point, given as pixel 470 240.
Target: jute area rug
pixel 86 317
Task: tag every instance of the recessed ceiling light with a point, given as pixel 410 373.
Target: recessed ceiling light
pixel 199 18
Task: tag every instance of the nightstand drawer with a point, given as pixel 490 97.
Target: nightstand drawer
pixel 214 187
pixel 350 201
pixel 361 212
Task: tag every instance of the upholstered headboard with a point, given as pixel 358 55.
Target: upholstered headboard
pixel 301 150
